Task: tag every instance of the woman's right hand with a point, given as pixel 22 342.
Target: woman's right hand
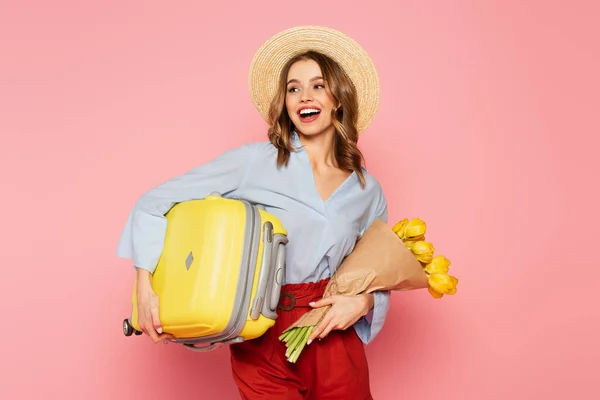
pixel 147 307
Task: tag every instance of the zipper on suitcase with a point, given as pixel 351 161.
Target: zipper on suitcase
pixel 255 235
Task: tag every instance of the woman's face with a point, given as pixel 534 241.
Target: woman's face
pixel 308 101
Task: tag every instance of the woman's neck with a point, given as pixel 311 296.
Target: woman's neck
pixel 319 149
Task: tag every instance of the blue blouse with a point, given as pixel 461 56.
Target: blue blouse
pixel 321 233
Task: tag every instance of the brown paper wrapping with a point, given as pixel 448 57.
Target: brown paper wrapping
pixel 379 261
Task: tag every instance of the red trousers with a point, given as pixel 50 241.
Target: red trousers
pixel 332 368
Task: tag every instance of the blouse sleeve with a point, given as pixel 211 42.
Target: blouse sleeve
pixel 144 232
pixel 370 325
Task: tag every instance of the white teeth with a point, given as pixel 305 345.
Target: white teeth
pixel 308 110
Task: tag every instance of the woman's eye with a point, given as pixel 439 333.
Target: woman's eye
pixel 319 86
pixel 293 89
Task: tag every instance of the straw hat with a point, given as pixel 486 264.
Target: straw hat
pixel 275 52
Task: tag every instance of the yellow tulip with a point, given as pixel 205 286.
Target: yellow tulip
pixel 439 264
pixel 410 243
pixel 454 279
pixel 434 294
pixel 443 283
pixel 415 229
pixel 416 238
pixel 399 227
pixel 423 251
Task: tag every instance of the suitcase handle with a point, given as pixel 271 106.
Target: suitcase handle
pixel 271 276
pixel 212 346
pixel 279 274
pixel 193 347
pixel 265 271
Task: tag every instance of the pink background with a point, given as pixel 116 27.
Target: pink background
pixel 488 129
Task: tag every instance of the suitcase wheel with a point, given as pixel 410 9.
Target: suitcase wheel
pixel 127 328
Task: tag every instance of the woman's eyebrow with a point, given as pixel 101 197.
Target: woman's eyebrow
pixel 316 78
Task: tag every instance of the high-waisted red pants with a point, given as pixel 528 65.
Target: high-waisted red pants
pixel 332 368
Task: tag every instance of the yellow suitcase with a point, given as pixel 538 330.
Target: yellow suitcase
pixel 219 277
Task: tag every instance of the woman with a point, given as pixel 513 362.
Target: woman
pixel 309 175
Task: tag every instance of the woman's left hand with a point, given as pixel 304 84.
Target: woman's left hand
pixel 344 312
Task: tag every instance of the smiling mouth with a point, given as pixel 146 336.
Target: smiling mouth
pixel 309 114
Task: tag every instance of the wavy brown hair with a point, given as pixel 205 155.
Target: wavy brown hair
pixel 345 143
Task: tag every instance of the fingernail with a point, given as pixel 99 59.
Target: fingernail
pixel 307 343
pixel 159 330
pixel 312 303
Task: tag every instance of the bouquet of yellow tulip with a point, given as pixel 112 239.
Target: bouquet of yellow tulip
pixel 379 261
pixel 412 234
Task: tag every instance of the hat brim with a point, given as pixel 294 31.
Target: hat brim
pixel 270 58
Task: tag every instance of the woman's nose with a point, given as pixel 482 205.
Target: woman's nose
pixel 306 96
